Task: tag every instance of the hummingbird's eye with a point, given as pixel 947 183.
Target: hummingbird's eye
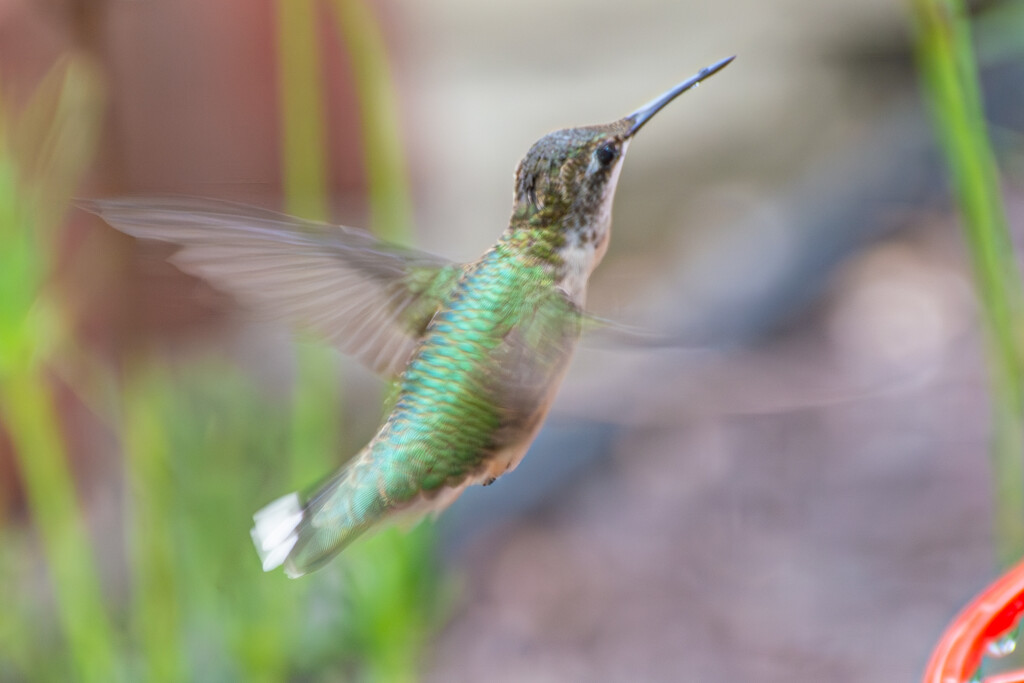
pixel 606 154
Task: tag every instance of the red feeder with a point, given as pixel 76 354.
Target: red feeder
pixel 977 629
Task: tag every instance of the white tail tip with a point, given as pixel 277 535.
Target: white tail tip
pixel 275 530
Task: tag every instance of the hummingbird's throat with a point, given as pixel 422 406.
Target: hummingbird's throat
pixel 578 262
pixel 586 238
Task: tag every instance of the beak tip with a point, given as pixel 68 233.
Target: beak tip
pixel 642 115
pixel 718 66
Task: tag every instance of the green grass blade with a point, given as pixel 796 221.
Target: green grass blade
pixel 32 421
pixel 317 395
pixel 390 203
pixel 316 407
pixel 42 153
pixel 156 596
pixel 946 62
pixel 303 147
pixel 397 600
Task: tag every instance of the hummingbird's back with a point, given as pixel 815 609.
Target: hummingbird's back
pixel 469 402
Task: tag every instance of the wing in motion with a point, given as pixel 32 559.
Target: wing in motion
pixel 370 298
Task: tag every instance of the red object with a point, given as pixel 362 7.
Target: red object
pixel 988 617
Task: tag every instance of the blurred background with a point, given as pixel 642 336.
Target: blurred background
pixel 788 479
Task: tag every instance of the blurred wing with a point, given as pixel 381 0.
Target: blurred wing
pixel 531 359
pixel 370 298
pixel 603 332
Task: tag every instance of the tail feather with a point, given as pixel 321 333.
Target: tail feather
pixel 302 535
pixel 275 530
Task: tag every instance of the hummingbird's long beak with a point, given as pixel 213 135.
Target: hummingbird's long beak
pixel 644 113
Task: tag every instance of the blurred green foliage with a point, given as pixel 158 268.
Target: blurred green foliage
pixel 949 72
pixel 390 203
pixel 42 151
pixel 178 592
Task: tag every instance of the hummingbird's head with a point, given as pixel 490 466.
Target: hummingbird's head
pixel 567 180
pixel 565 184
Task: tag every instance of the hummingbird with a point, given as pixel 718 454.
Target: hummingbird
pixel 478 349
